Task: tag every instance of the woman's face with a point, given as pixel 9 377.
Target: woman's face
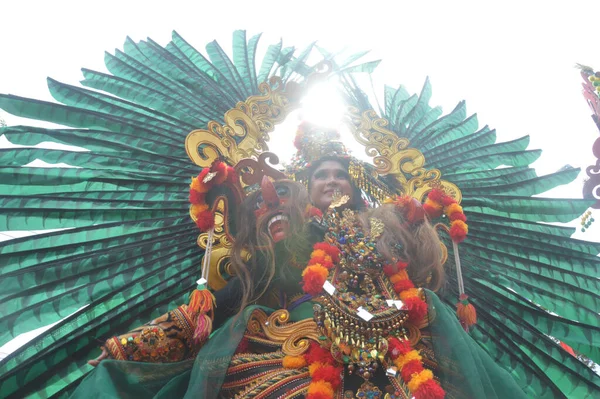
pixel 329 177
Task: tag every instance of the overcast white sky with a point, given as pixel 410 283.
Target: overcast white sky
pixel 512 61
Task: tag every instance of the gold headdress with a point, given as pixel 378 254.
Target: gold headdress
pixel 314 142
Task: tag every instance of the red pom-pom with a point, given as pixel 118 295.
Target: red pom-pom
pixel 458 233
pixel 220 168
pixel 389 270
pixel 397 347
pixel 205 221
pixel 458 216
pixel 436 195
pixel 417 308
pixel 401 265
pixel 202 175
pixel 314 211
pixel 330 250
pixel 316 353
pixel 329 374
pixel 318 395
pixel 414 366
pixel 403 285
pixel 196 197
pixel 447 200
pixel 429 390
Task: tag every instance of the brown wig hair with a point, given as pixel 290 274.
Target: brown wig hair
pixel 253 236
pixel 357 202
pixel 418 244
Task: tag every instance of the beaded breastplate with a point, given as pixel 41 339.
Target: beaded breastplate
pixel 361 310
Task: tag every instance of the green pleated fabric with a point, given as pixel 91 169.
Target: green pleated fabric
pixel 474 373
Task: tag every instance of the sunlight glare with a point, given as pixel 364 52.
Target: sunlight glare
pixel 323 106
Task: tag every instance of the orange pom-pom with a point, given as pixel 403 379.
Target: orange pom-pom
pixel 408 357
pixel 401 275
pixel 293 362
pixel 318 252
pixel 418 379
pixel 331 250
pixel 313 278
pixel 196 209
pixel 320 387
pixel 201 301
pixel 458 231
pixel 466 312
pixel 324 261
pixel 413 292
pixel 453 208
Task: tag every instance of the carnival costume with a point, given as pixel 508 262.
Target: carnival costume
pixel 131 253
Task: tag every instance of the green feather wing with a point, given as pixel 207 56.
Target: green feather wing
pixel 531 284
pixel 126 250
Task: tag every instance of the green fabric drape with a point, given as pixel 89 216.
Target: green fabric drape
pixel 472 372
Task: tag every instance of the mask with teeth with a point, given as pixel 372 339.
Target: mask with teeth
pixel 272 206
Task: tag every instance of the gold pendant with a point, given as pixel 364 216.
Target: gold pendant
pixel 368 391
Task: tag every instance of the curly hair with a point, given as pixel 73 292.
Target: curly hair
pixel 419 245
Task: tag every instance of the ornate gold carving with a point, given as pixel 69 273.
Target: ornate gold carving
pixel 295 337
pixel 252 171
pixel 219 257
pixel 247 126
pixel 392 156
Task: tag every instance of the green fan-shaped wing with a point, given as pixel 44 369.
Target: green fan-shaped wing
pixel 127 250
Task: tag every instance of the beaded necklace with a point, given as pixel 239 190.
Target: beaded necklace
pixel 366 303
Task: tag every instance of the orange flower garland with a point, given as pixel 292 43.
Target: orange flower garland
pixel 404 287
pixel 321 261
pixel 419 380
pixel 438 203
pixel 326 376
pixel 218 173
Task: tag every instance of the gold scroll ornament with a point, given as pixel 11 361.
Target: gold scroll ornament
pixel 247 126
pixel 392 156
pixel 294 337
pixel 220 263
